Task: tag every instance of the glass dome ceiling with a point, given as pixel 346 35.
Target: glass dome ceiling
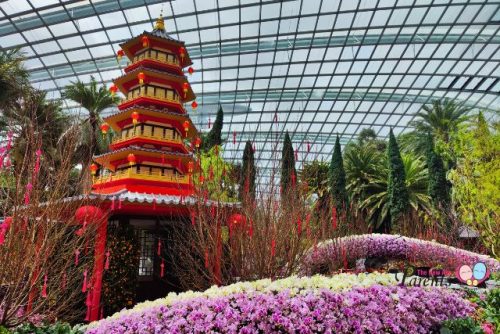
pixel 316 68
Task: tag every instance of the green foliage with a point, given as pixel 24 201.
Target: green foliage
pixel 476 179
pixel 466 325
pixel 396 184
pixel 4 330
pixel 314 174
pixel 214 136
pixel 218 176
pixel 287 167
pixel 248 174
pixel 337 179
pixel 13 78
pixel 120 280
pixel 438 189
pixel 56 328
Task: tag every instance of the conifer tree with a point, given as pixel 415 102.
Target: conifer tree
pixel 248 173
pixel 437 189
pixel 396 186
pixel 288 172
pixel 214 136
pixel 337 179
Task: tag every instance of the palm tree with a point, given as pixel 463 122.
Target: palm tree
pixel 13 77
pixel 94 100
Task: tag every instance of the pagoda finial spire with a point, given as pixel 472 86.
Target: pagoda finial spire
pixel 160 23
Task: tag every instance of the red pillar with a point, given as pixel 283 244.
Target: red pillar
pixel 100 254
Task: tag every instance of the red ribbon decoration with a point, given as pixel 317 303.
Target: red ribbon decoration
pixel 84 286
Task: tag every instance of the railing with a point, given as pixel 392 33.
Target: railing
pixel 142 175
pixel 161 58
pixel 137 134
pixel 143 93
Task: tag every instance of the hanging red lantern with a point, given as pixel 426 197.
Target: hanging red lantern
pixel 182 53
pixel 104 128
pixel 135 117
pixel 93 169
pixel 141 76
pixel 194 105
pixel 190 70
pixel 185 88
pixel 186 127
pixel 120 54
pixel 113 89
pixel 197 142
pixel 190 167
pixel 145 41
pixel 131 159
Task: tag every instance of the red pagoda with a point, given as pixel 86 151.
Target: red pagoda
pixel 145 180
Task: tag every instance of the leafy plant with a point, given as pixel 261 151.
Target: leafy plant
pixel 396 184
pixel 214 136
pixel 337 179
pixel 56 328
pixel 288 172
pixel 466 325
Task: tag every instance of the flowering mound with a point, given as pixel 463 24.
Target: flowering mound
pixel 374 309
pixel 391 247
pixel 293 284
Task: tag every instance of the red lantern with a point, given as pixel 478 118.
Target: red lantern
pixel 141 76
pixel 131 159
pixel 113 89
pixel 182 53
pixel 88 214
pixel 237 219
pixel 194 105
pixel 135 117
pixel 185 88
pixel 104 128
pixel 120 54
pixel 145 41
pixel 197 142
pixel 190 70
pixel 186 127
pixel 93 169
pixel 190 167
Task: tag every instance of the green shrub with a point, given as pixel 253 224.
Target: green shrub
pixel 461 326
pixel 57 328
pixel 4 330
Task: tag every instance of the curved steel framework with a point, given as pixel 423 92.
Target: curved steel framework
pixel 315 68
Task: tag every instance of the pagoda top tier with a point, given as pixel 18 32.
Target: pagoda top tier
pixel 158 38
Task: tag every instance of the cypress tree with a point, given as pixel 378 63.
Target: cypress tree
pixel 214 136
pixel 337 178
pixel 437 188
pixel 396 186
pixel 288 171
pixel 248 173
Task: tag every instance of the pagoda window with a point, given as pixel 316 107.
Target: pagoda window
pixel 150 91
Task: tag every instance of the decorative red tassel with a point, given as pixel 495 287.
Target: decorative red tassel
pixel 27 194
pixel 77 255
pixel 234 137
pixel 106 264
pixel 334 218
pixel 206 258
pixel 158 248
pixel 44 288
pixel 273 248
pixel 37 162
pixel 84 286
pixel 162 268
pixel 119 203
pixel 193 218
pixel 299 226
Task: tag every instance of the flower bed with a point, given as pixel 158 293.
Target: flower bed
pixel 372 309
pixel 390 247
pixel 293 284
